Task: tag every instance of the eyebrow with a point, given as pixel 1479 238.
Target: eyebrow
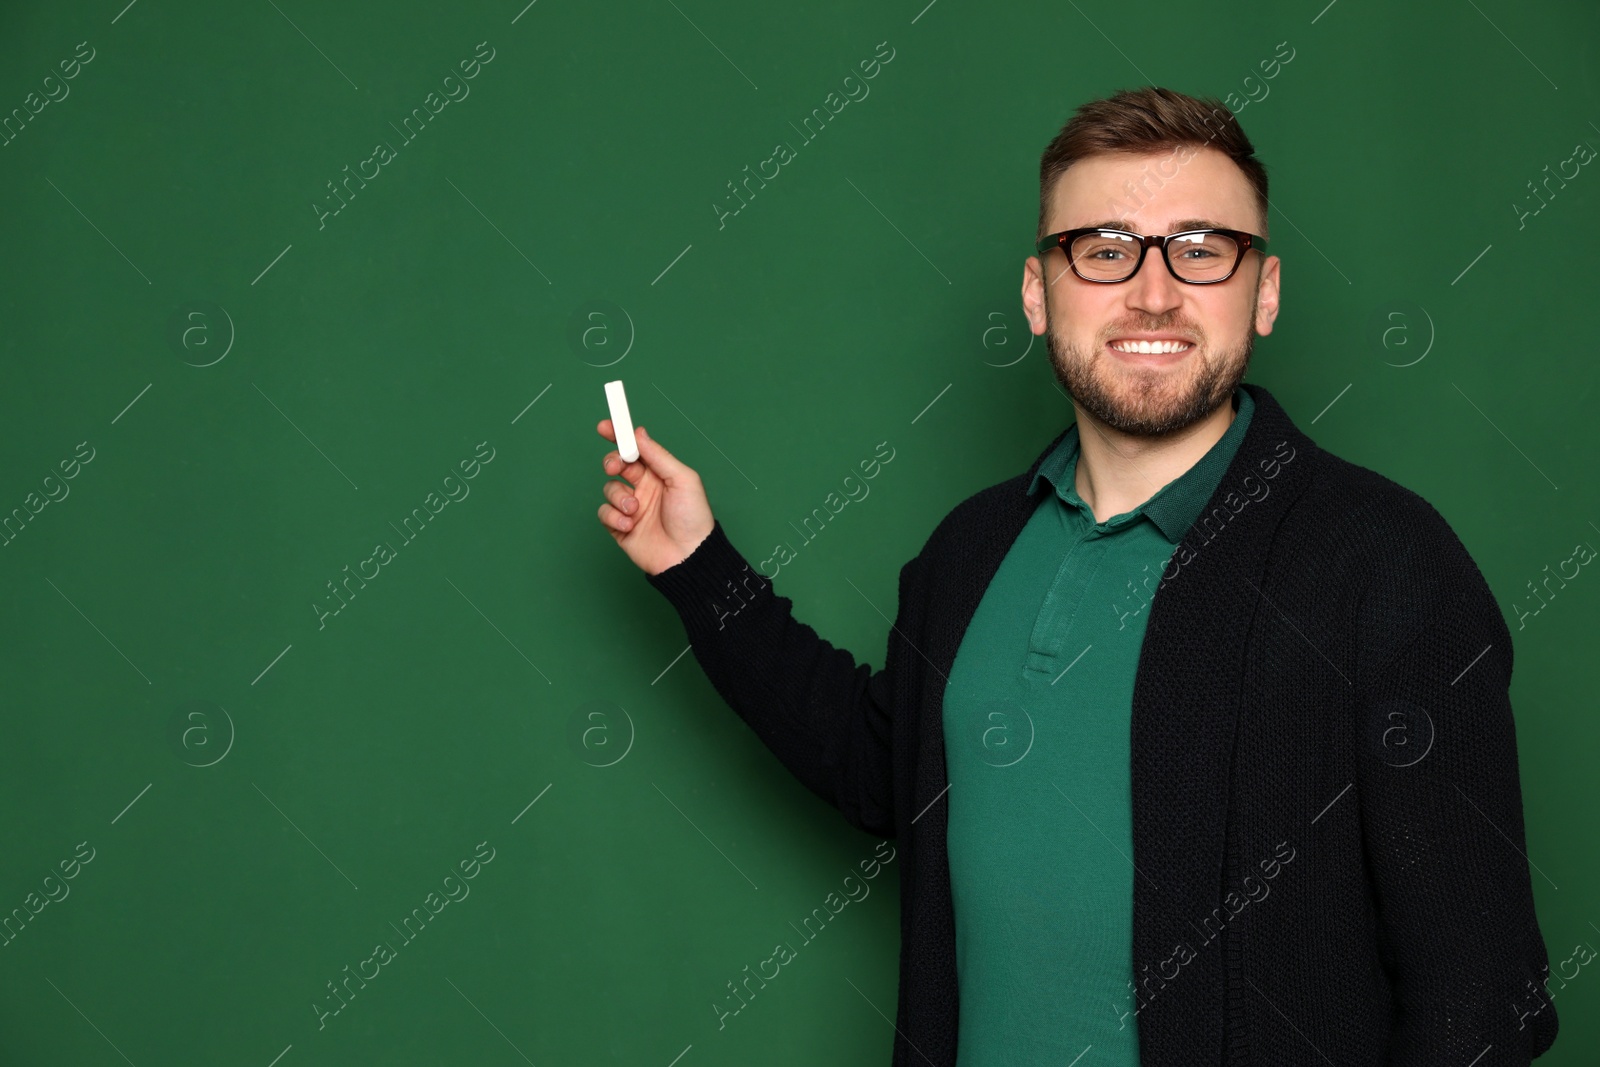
pixel 1176 227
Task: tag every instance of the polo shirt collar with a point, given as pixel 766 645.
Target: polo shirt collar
pixel 1176 505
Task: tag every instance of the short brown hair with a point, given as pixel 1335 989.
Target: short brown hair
pixel 1148 120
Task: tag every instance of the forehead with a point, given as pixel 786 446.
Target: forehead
pixel 1155 192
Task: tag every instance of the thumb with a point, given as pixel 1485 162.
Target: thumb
pixel 663 463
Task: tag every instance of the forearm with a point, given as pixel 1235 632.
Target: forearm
pixel 1446 846
pixel 823 715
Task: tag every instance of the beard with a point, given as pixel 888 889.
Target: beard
pixel 1151 401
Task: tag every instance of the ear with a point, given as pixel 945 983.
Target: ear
pixel 1033 294
pixel 1267 296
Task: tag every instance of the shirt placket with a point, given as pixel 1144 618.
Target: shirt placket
pixel 1048 650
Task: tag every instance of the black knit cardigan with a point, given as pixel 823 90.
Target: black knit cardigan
pixel 1324 676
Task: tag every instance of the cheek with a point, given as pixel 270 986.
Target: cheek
pixel 1084 315
pixel 1225 321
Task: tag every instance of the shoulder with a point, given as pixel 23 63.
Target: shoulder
pixel 1381 519
pixel 1405 563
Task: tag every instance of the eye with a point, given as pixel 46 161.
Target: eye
pixel 1201 246
pixel 1104 248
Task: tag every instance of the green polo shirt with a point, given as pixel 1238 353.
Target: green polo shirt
pixel 1036 725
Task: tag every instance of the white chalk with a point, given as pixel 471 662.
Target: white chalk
pixel 627 447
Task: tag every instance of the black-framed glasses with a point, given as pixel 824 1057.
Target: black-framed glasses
pixel 1204 257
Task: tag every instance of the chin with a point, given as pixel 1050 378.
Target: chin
pixel 1149 400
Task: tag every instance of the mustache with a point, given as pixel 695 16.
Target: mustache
pixel 1188 332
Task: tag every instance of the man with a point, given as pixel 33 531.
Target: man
pixel 1196 737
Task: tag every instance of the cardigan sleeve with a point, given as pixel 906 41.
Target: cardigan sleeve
pixel 1441 816
pixel 827 718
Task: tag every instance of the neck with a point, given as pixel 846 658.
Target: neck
pixel 1117 472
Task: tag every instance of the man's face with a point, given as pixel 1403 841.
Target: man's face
pixel 1151 394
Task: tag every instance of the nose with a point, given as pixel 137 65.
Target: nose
pixel 1153 288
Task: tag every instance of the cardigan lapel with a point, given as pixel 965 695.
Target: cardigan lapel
pixel 1182 728
pixel 1185 708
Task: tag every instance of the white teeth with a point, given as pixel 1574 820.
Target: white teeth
pixel 1148 347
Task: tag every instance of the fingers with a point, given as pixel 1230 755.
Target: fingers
pixel 613 519
pixel 613 464
pixel 621 497
pixel 663 463
pixel 653 458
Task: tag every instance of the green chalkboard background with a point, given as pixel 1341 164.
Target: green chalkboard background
pixel 253 381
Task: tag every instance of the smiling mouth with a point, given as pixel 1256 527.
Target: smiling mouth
pixel 1150 347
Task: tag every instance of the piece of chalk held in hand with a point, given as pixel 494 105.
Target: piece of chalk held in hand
pixel 627 447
